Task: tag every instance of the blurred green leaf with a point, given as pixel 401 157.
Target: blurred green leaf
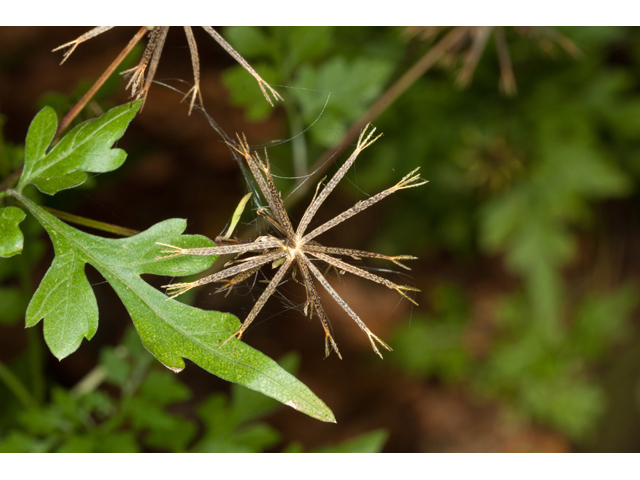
pixel 304 44
pixel 353 86
pixel 433 345
pixel 570 405
pixel 117 442
pixel 164 389
pixel 428 347
pixel 116 365
pixel 603 318
pixel 246 93
pixel 250 42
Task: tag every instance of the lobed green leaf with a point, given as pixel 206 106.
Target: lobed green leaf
pixel 170 330
pixel 87 148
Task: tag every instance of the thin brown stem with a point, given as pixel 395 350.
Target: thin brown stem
pixel 386 99
pixel 195 63
pixel 313 301
pixel 77 108
pixel 338 299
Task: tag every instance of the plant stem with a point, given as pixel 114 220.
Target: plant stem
pixel 298 144
pixel 16 387
pixel 91 381
pixel 87 222
pixel 77 108
pixel 386 99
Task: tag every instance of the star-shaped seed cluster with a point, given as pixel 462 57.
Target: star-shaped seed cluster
pixel 288 248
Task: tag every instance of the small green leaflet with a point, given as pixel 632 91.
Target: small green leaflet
pixel 170 330
pixel 87 148
pixel 11 239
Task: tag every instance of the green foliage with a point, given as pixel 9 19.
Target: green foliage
pixel 548 379
pixel 87 419
pixel 334 90
pixel 342 78
pixel 518 180
pixel 230 423
pixel 433 345
pixel 170 330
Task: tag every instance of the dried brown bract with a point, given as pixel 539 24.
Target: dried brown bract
pixel 289 247
pixel 140 80
pixel 472 42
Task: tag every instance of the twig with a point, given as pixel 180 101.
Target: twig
pixel 77 108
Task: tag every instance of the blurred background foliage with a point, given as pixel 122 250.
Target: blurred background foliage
pixel 527 333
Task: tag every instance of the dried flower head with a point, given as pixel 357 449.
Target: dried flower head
pixel 295 248
pixel 140 80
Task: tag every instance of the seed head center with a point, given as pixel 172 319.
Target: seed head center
pixel 294 249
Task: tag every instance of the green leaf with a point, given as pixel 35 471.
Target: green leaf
pixel 250 42
pixel 162 429
pixel 116 365
pixel 11 238
pixel 169 329
pixel 246 93
pixel 225 431
pixel 305 43
pixel 353 85
pixel 164 389
pixel 87 148
pixel 602 319
pixel 65 300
